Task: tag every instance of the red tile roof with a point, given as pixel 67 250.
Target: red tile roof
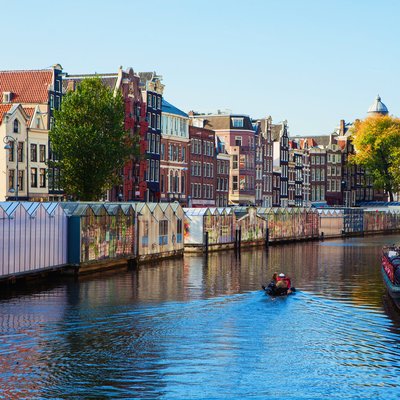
pixel 307 143
pixel 26 86
pixel 3 109
pixel 30 111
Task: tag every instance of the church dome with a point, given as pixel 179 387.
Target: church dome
pixel 378 107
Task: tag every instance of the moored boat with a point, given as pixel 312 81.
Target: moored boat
pixel 391 271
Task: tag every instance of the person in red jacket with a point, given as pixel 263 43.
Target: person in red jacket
pixel 284 283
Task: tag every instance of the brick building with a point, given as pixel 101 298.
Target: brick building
pixel 152 92
pixel 237 134
pixel 174 172
pixel 203 167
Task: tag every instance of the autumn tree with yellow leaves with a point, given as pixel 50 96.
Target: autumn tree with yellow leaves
pixel 377 148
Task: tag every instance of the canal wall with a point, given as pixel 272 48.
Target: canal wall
pixel 76 237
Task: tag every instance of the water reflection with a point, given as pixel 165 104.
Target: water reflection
pixel 199 327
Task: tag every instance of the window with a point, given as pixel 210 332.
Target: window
pixel 20 152
pixel 151 175
pixel 158 122
pixel 20 180
pixel 235 182
pixel 176 185
pixel 183 154
pixel 162 151
pixel 157 171
pixel 149 101
pixel 11 151
pixel 163 232
pixel 157 149
pixel 159 103
pixel 42 153
pixel 237 122
pixel 34 177
pixel 33 152
pixel 183 184
pixel 42 177
pixel 11 178
pixel 238 140
pixel 16 126
pixel 235 162
pixel 171 182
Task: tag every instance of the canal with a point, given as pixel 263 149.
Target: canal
pixel 201 328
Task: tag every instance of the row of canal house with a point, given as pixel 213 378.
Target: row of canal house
pixel 200 160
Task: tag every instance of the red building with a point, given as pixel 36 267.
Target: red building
pixel 223 167
pixel 203 167
pixel 133 184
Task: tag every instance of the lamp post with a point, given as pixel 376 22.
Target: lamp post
pixel 7 140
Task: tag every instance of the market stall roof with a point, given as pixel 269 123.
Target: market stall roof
pixel 197 211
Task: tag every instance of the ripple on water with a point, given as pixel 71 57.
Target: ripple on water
pixel 330 340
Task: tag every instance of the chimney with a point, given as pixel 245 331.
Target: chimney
pixel 341 131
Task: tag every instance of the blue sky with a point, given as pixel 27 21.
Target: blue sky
pixel 312 62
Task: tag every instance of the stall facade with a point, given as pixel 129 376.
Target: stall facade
pixel 34 238
pixel 160 230
pixel 99 231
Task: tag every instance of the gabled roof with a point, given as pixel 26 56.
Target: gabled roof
pixel 27 86
pixel 276 132
pixel 170 109
pixel 4 108
pixel 109 80
pixel 224 121
pixel 30 111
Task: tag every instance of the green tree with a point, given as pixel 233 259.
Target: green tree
pixel 89 139
pixel 377 148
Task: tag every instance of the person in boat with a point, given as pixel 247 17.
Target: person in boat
pixel 274 279
pixel 271 287
pixel 283 284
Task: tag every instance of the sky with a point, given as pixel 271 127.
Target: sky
pixel 310 62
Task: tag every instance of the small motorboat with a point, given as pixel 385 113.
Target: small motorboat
pixel 274 288
pixel 390 269
pixel 274 291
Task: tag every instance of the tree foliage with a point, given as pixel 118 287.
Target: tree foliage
pixel 377 143
pixel 89 139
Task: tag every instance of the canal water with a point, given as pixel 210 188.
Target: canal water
pixel 201 328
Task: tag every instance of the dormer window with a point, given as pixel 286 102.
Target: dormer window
pixel 16 126
pixel 7 96
pixel 237 122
